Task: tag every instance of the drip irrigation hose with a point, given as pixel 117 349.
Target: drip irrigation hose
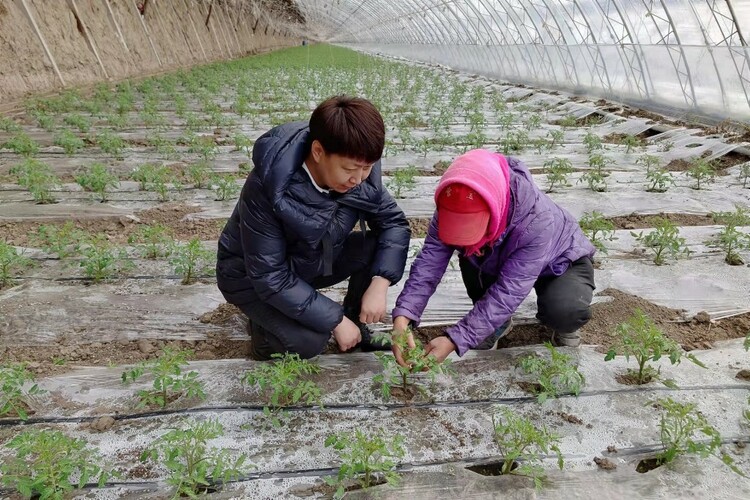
pixel 356 407
pixel 403 467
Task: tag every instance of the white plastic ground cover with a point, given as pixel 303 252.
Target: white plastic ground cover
pixel 626 194
pixel 33 312
pixel 454 427
pixel 346 382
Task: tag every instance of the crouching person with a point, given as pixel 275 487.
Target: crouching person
pixel 510 237
pixel 292 233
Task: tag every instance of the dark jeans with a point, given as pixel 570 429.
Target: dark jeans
pixel 563 302
pixel 273 332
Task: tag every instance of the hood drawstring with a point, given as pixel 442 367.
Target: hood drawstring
pixel 363 228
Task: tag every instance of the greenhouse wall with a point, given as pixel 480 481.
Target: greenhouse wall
pixel 712 93
pixel 51 44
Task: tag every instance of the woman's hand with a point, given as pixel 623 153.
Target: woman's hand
pixel 400 328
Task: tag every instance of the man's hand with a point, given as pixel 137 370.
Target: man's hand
pixel 440 347
pixel 401 327
pixel 374 301
pixel 347 334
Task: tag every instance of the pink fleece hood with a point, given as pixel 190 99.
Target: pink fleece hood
pixel 489 175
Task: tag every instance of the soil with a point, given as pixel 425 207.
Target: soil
pixel 631 378
pixel 570 418
pixel 619 138
pixel 648 464
pixel 102 424
pixel 222 315
pixel 118 229
pixel 642 221
pixel 530 387
pixel 39 358
pixel 492 469
pixel 419 227
pixel 690 333
pixel 679 165
pixel 743 375
pixel 611 449
pixel 605 463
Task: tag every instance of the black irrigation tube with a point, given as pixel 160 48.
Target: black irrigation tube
pixel 353 407
pixel 404 467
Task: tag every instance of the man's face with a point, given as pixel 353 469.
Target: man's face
pixel 340 173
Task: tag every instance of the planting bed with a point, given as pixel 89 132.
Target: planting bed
pixel 78 332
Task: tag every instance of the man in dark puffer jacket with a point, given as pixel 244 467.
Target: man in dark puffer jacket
pixel 291 233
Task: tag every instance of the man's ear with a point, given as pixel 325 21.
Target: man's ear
pixel 317 150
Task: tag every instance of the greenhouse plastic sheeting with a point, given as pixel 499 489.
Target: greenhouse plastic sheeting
pixel 680 56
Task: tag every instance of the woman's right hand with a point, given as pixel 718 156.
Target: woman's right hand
pixel 401 327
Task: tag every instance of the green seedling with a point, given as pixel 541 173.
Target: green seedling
pixel 554 376
pixel 194 467
pixel 520 440
pixel 740 217
pixel 593 142
pixel 225 187
pixel 100 260
pixel 744 174
pixel 640 338
pixel 70 142
pixel 365 459
pixel 685 431
pixel 506 121
pixel 169 380
pixel 13 391
pixel 199 173
pixel 557 170
pixel 663 241
pixel 659 180
pixel 8 125
pixel 631 142
pixel 80 122
pixel 110 144
pixel 596 177
pixel 731 241
pixel 283 382
pixel 556 138
pixel 701 172
pixel 191 259
pixel 153 241
pixel 97 178
pixel 567 121
pixel 22 144
pixel 402 179
pixel 651 162
pixel 205 146
pixel 46 463
pixel 117 121
pixel 541 144
pixel 597 229
pixel 155 177
pixel 163 146
pixel 38 178
pixel 397 376
pixel 60 240
pixel 11 262
pixel 44 120
pixel 533 121
pixel 245 168
pixel 243 143
pixel 515 142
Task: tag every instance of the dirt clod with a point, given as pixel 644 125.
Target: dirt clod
pixel 145 346
pixel 611 449
pixel 605 463
pixel 221 315
pixel 570 418
pixel 102 424
pixel 743 375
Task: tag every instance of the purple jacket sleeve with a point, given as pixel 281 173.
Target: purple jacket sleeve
pixel 426 272
pixel 517 277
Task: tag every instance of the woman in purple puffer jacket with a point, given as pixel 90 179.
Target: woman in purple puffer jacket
pixel 510 237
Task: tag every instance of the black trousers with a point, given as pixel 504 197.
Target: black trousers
pixel 273 332
pixel 563 302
